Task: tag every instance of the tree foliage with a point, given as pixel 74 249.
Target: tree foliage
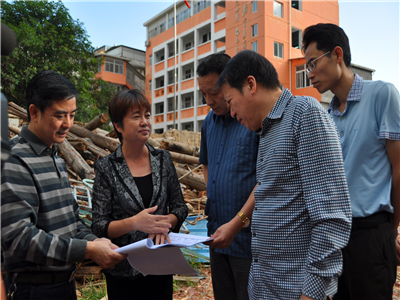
pixel 49 38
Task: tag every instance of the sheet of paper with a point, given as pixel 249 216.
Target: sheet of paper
pixel 164 259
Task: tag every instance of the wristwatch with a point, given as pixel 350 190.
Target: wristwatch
pixel 245 220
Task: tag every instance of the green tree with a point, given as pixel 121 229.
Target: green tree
pixel 48 38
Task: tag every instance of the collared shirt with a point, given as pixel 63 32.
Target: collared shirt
pixel 229 150
pixel 302 215
pixel 372 115
pixel 40 224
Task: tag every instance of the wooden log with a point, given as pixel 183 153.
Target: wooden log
pixel 17 107
pixel 112 134
pixel 97 151
pixel 193 180
pixel 97 122
pixel 14 129
pixel 18 113
pixel 98 140
pixel 187 159
pixel 179 147
pixel 75 160
pixel 79 145
pixel 153 143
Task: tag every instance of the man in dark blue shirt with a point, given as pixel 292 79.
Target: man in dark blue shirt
pixel 228 154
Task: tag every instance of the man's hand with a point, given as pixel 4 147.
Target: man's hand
pixel 101 251
pixel 225 234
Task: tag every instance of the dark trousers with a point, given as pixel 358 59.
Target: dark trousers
pixel 369 262
pixel 58 291
pixel 230 276
pixel 150 287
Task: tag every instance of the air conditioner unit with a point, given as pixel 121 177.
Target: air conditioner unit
pixel 147 43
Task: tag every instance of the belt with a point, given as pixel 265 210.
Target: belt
pixel 43 277
pixel 371 221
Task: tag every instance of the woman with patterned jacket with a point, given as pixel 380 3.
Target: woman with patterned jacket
pixel 136 194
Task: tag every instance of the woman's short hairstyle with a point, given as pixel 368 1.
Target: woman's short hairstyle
pixel 122 103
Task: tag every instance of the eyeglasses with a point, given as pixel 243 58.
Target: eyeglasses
pixel 311 65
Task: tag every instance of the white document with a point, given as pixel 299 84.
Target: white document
pixel 163 259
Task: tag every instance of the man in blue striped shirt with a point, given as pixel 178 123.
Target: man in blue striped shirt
pixel 42 236
pixel 228 154
pixel 367 116
pixel 302 216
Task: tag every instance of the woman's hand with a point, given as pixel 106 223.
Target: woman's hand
pixel 153 224
pixel 159 238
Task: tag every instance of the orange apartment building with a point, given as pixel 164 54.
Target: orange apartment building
pixel 123 67
pixel 272 28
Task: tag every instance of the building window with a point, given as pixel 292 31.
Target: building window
pixel 159 108
pixel 187 102
pixel 114 66
pixel 187 126
pixel 278 9
pixel 254 30
pixel 254 6
pixel 188 74
pixel 254 46
pixel 296 38
pixel 297 5
pixel 150 85
pixel 188 45
pixel 163 26
pixel 171 104
pixel 151 59
pixel 302 80
pixel 171 23
pixel 206 37
pixel 278 49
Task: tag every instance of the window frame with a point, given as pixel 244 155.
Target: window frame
pixel 280 49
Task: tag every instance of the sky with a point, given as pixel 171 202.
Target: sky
pixel 372 28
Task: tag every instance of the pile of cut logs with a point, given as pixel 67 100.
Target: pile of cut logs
pixel 85 144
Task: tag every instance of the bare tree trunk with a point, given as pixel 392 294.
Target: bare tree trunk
pixel 193 180
pixel 99 140
pixel 97 122
pixel 75 160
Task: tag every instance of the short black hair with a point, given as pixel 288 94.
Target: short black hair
pixel 328 36
pixel 214 63
pixel 249 63
pixel 48 86
pixel 121 104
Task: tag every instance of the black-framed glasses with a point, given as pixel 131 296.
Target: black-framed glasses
pixel 311 65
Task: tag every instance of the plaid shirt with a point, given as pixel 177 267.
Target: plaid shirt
pixel 302 215
pixel 40 225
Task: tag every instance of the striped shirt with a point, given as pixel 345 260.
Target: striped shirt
pixel 229 150
pixel 302 214
pixel 40 225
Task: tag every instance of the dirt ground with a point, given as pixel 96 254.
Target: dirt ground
pixel 202 290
